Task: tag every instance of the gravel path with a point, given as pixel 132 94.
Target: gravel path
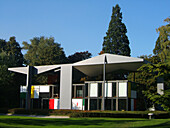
pixel 37 116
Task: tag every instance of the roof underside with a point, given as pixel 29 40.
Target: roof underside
pixel 94 66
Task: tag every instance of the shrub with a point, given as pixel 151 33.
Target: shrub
pixel 118 114
pixel 29 112
pixel 4 110
pixel 79 113
pixel 63 112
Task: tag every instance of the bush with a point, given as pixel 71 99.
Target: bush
pixel 118 114
pixel 63 112
pixel 4 110
pixel 79 113
pixel 29 112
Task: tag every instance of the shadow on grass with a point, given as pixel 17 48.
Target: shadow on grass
pixel 63 122
pixel 161 125
pixel 75 122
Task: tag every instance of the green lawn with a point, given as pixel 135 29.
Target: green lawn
pixel 31 122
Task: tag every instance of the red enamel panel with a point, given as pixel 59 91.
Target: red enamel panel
pixel 51 103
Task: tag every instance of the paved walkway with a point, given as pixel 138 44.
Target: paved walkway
pixel 37 116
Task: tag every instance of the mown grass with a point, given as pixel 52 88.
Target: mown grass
pixel 32 122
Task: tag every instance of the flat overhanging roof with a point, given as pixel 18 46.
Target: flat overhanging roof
pixel 94 66
pixel 39 69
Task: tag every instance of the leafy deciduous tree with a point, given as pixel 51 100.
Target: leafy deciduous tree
pixel 43 51
pixel 78 56
pixel 162 47
pixel 10 56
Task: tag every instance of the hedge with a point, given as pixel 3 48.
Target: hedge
pixel 4 110
pixel 79 114
pixel 29 112
pixel 125 114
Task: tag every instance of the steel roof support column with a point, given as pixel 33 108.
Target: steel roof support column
pixel 104 81
pixel 28 86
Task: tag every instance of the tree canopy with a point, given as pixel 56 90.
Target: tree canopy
pixel 78 56
pixel 44 51
pixel 10 56
pixel 12 48
pixel 158 68
pixel 162 47
pixel 116 41
pixel 148 76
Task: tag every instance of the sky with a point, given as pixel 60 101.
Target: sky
pixel 80 25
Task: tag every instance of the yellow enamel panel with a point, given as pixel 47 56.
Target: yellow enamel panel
pixel 32 92
pixel 129 89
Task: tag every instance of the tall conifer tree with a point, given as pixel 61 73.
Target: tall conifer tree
pixel 116 41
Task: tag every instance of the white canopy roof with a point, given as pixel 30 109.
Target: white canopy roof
pixel 94 65
pixel 40 69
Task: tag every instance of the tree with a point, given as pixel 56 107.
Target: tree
pixel 12 48
pixel 116 41
pixel 43 51
pixel 9 86
pixel 79 56
pixel 2 45
pixel 10 56
pixel 162 47
pixel 146 81
pixel 147 76
pixel 159 67
pixel 150 58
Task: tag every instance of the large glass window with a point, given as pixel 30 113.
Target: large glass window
pixel 114 104
pixel 99 89
pixel 45 103
pixel 79 92
pixel 86 90
pixel 107 104
pixel 100 104
pixel 114 89
pixel 73 96
pixel 56 91
pixel 122 104
pixel 93 104
pixel 86 104
pixel 122 89
pixel 93 89
pixel 108 89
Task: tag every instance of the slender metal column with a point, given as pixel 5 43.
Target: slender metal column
pixel 28 86
pixel 104 80
pixel 117 96
pixel 88 96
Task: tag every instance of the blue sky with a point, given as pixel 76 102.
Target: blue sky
pixel 80 25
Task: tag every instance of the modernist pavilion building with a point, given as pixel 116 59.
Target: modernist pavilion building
pixel 85 85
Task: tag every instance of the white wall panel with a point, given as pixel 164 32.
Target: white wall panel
pixel 160 88
pixel 123 89
pixel 56 103
pixel 44 88
pixel 23 89
pixel 93 89
pixel 133 94
pixel 36 92
pixel 66 86
pixel 77 104
pixel 108 89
